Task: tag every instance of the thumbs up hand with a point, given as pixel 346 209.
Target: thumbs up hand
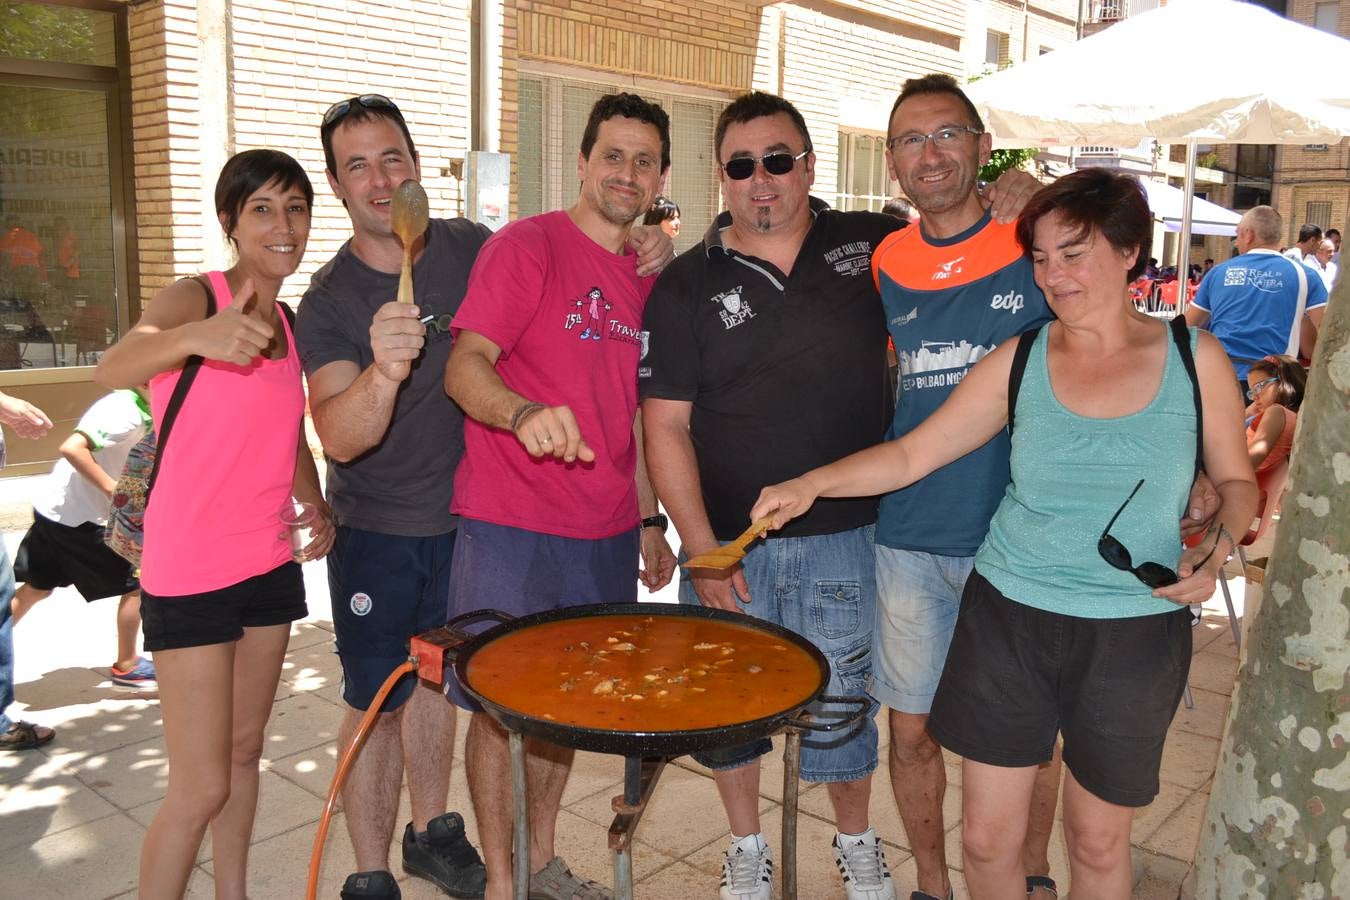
pixel 236 334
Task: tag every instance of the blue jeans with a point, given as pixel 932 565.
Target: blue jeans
pixel 6 638
pixel 822 587
pixel 920 597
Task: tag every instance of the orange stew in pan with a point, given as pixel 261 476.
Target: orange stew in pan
pixel 644 673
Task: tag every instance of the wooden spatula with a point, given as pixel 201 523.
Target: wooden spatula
pixel 728 555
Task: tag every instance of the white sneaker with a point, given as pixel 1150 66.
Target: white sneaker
pixel 747 871
pixel 863 867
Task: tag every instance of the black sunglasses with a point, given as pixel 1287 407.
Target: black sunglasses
pixel 1155 575
pixel 369 101
pixel 742 167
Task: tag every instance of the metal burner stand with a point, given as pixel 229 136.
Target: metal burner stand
pixel 640 775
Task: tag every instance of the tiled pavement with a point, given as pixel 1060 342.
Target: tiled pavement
pixel 72 814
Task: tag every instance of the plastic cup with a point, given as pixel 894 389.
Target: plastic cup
pixel 298 516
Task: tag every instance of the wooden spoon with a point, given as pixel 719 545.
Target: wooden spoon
pixel 408 217
pixel 728 555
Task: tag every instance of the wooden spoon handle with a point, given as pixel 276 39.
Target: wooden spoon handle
pixel 405 281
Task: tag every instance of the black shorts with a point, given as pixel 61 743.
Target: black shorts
pixel 217 617
pixel 53 555
pixel 1016 675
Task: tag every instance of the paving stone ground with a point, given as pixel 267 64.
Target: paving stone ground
pixel 73 814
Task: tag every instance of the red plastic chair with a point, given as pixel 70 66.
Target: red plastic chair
pixel 1270 486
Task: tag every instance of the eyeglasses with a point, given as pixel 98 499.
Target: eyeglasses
pixel 1260 386
pixel 368 101
pixel 742 167
pixel 1155 575
pixel 943 138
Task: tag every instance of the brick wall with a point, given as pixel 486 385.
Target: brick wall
pixel 287 62
pixel 847 74
pixel 163 110
pixel 698 42
pixel 948 16
pixel 1303 176
pixel 1029 30
pixel 291 61
pixel 702 43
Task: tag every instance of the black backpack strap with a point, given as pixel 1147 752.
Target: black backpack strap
pixel 189 374
pixel 1181 336
pixel 1019 368
pixel 288 313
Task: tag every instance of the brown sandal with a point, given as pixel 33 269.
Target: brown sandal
pixel 25 736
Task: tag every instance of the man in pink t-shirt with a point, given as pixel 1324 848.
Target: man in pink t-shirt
pixel 553 497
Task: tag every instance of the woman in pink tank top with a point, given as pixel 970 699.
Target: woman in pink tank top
pixel 220 586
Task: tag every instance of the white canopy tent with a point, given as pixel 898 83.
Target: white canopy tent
pixel 1167 204
pixel 1192 72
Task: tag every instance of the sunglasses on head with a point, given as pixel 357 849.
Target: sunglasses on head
pixel 370 101
pixel 1155 575
pixel 780 163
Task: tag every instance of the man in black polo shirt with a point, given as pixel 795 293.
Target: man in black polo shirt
pixel 767 357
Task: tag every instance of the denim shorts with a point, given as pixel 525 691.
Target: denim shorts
pixel 822 587
pixel 919 595
pixel 521 572
pixel 1016 676
pixel 384 588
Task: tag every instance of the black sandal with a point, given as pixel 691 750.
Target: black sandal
pixel 25 736
pixel 1041 881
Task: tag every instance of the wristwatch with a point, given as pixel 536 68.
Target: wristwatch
pixel 657 521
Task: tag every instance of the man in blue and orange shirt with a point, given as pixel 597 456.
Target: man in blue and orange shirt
pixel 953 289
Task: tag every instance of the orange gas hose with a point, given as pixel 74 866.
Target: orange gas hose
pixel 344 765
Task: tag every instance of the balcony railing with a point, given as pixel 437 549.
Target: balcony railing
pixel 1107 10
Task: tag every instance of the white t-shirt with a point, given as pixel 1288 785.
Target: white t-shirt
pixel 112 426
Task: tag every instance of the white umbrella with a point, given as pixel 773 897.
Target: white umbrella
pixel 1167 204
pixel 1192 72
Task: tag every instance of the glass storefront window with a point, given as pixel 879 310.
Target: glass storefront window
pixel 58 289
pixel 57 34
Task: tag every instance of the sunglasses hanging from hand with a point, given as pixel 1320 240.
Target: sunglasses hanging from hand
pixel 1155 575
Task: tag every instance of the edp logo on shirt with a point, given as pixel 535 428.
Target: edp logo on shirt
pixel 1011 300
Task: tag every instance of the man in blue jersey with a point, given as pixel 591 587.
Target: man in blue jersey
pixel 1260 303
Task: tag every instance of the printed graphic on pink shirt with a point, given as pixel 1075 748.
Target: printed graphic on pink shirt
pixel 590 310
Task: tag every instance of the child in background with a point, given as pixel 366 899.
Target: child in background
pixel 1275 388
pixel 65 543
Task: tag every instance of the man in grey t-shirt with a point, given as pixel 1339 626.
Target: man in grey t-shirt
pixel 392 439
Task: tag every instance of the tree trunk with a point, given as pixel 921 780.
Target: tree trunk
pixel 1279 810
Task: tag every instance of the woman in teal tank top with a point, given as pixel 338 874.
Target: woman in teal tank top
pixel 1074 621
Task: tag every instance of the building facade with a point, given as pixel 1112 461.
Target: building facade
pixel 119 115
